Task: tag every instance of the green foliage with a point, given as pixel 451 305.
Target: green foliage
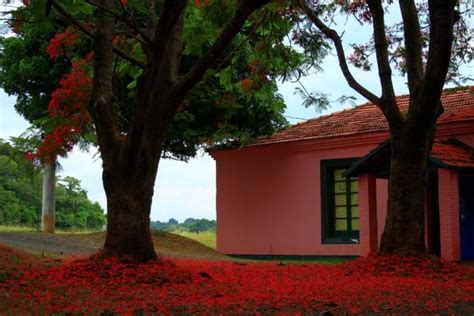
pixel 20 195
pixel 29 73
pixel 190 225
pixel 20 187
pixel 31 77
pixel 219 111
pixel 75 210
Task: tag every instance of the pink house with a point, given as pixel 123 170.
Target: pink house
pixel 288 194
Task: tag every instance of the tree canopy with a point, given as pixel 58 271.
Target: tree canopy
pixel 235 102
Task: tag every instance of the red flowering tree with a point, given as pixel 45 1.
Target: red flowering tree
pixel 34 79
pixel 168 77
pixel 68 112
pixel 423 47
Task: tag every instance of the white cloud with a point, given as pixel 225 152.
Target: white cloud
pixel 185 190
pixel 182 190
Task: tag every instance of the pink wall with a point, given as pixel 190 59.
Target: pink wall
pixel 450 236
pixel 268 201
pixel 268 197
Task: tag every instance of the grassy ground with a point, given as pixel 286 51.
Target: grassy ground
pixel 18 229
pixel 206 238
pixel 29 229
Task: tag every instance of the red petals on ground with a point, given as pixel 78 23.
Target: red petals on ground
pixel 169 286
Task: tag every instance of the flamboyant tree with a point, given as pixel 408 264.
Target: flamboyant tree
pixel 168 77
pixel 33 78
pixel 423 50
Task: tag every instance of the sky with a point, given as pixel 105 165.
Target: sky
pixel 184 190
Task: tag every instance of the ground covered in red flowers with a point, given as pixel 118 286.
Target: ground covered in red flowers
pixel 170 286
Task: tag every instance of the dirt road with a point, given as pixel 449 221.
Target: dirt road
pixel 63 245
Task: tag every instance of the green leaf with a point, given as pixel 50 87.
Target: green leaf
pixel 225 78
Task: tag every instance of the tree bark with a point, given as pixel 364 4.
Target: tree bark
pixel 48 221
pixel 404 232
pixel 129 183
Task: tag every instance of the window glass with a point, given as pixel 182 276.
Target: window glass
pixel 343 217
pixel 341 212
pixel 341 224
pixel 354 185
pixel 354 198
pixel 340 187
pixel 338 174
pixel 340 199
pixel 355 224
pixel 355 211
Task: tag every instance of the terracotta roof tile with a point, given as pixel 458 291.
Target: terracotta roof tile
pixel 452 154
pixel 367 118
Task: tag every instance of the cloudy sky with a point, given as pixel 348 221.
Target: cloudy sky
pixel 185 190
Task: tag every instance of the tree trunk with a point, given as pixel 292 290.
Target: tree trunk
pixel 404 232
pixel 129 186
pixel 48 204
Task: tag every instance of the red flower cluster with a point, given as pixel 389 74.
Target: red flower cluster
pixel 257 77
pixel 186 286
pixel 246 84
pixel 361 10
pixel 62 43
pixel 202 3
pixel 73 92
pixel 68 109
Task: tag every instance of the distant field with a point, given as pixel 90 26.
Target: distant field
pixel 206 238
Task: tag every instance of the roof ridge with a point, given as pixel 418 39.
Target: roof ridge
pixel 446 92
pixel 367 117
pixel 332 113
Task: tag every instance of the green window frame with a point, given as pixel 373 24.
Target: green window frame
pixel 339 203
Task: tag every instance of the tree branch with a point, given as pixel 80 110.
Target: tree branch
pixel 413 50
pixel 172 12
pixel 439 56
pixel 197 71
pixel 89 33
pixel 389 104
pixel 336 39
pixel 153 20
pixel 127 21
pixel 254 28
pixel 100 105
pixel 160 114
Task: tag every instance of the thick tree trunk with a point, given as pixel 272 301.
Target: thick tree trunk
pixel 129 186
pixel 48 221
pixel 404 231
